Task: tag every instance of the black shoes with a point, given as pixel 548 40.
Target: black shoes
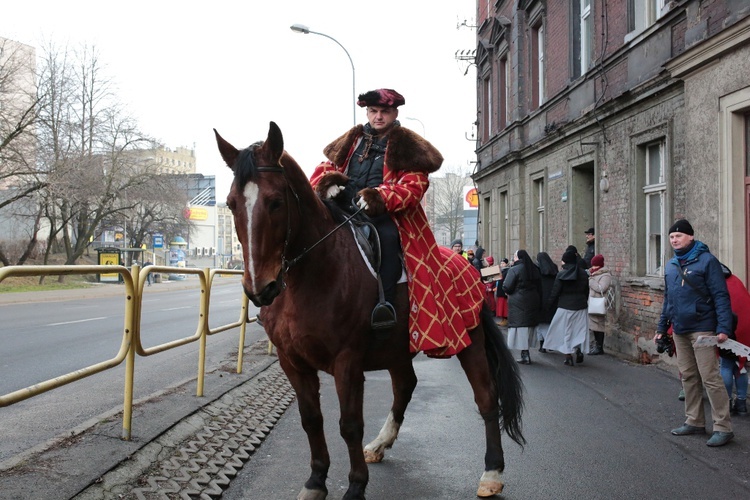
pixel 569 360
pixel 579 355
pixel 541 346
pixel 525 358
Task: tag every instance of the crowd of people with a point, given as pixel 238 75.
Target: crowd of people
pixel 544 305
pixel 552 307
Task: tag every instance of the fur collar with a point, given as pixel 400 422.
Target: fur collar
pixel 407 150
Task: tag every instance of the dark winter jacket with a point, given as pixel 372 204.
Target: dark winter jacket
pixel 548 309
pixel 703 307
pixel 589 253
pixel 499 292
pixel 478 256
pixel 571 288
pixel 524 296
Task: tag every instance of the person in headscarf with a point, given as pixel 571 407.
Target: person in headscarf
pixel 569 327
pixel 600 280
pixel 523 285
pixel 548 271
pixel 478 261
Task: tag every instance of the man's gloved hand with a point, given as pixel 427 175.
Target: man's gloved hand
pixel 331 185
pixel 371 202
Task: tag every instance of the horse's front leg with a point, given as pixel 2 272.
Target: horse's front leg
pixel 474 363
pixel 307 387
pixel 350 387
pixel 403 381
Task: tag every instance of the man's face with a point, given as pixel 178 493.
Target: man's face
pixel 457 248
pixel 680 240
pixel 589 237
pixel 381 118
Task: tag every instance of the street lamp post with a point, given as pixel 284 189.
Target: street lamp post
pixel 301 28
pixel 424 132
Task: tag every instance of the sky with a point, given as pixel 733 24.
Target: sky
pixel 183 68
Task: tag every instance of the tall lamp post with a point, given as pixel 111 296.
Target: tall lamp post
pixel 301 28
pixel 424 132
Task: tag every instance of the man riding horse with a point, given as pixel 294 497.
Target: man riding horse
pixel 385 167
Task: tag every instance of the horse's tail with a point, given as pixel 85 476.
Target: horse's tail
pixel 504 371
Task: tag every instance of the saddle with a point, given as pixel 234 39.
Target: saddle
pixel 383 317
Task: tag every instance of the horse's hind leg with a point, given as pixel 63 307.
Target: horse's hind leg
pixel 307 387
pixel 403 381
pixel 474 363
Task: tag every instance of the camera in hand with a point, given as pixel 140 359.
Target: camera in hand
pixel 665 344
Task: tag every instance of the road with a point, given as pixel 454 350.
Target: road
pixel 39 341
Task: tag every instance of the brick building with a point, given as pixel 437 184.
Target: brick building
pixel 619 114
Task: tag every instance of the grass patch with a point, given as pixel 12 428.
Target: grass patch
pixel 14 284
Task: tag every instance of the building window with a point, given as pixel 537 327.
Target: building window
pixel 654 192
pixel 587 35
pixel 504 227
pixel 644 13
pixel 537 65
pixel 582 41
pixel 504 107
pixel 487 108
pixel 539 197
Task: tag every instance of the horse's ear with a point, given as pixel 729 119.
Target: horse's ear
pixel 275 141
pixel 228 152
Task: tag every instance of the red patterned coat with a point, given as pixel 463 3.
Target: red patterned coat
pixel 445 292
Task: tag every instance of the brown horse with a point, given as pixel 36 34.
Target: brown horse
pixel 316 295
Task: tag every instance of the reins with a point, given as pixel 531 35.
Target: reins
pixel 287 264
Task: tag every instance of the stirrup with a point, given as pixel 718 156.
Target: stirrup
pixel 383 317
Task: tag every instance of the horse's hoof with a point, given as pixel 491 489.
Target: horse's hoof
pixel 490 484
pixel 373 457
pixel 306 494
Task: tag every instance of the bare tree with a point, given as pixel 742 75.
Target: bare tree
pixel 93 173
pixel 447 200
pixel 159 209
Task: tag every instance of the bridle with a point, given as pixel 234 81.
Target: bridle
pixel 286 265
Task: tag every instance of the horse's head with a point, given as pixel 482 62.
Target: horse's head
pixel 260 199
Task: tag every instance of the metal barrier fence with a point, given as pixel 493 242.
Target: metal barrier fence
pixel 134 280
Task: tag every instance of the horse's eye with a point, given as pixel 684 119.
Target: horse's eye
pixel 275 205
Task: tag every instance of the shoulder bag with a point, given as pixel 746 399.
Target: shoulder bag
pixel 600 305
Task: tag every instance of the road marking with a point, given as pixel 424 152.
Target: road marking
pixel 178 308
pixel 77 321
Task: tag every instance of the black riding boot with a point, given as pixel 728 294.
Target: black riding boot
pixel 541 346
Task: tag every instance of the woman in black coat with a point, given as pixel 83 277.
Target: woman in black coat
pixel 523 285
pixel 570 325
pixel 548 270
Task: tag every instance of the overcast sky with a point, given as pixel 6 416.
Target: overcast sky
pixel 183 68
